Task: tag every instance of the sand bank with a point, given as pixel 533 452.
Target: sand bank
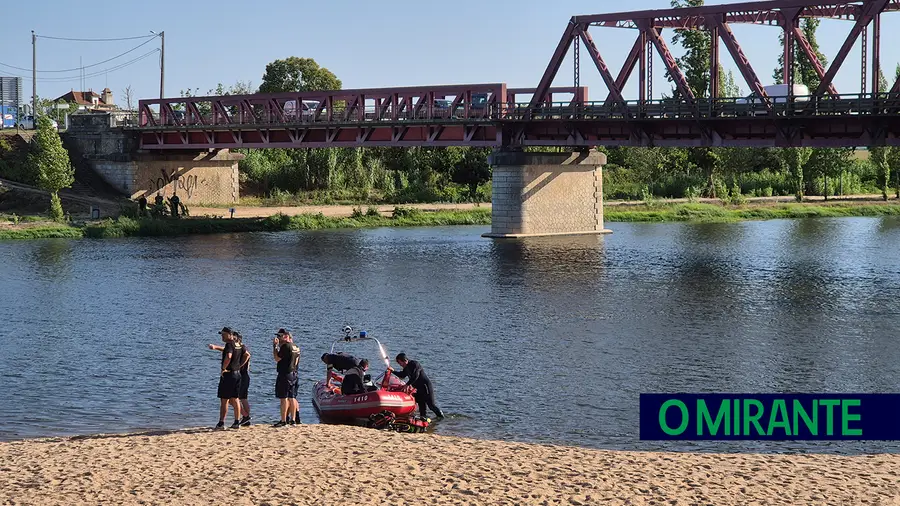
pixel 318 464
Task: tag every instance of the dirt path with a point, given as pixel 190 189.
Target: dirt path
pixel 332 211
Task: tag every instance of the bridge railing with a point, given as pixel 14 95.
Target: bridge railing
pixel 468 107
pixel 882 104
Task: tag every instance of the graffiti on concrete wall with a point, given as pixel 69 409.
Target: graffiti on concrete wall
pixel 186 183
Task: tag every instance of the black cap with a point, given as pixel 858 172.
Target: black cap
pixel 282 332
pixel 226 330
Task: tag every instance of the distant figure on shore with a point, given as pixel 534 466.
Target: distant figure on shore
pixel 339 361
pixel 417 378
pixel 142 206
pixel 245 378
pixel 159 201
pixel 174 203
pixel 230 378
pixel 287 359
pixel 353 379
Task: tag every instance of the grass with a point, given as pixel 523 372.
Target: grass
pixel 410 217
pixel 127 227
pixel 712 213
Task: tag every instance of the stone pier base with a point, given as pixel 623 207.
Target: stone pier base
pixel 541 194
pixel 197 178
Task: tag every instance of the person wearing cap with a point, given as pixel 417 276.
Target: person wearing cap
pixel 417 378
pixel 230 378
pixel 245 378
pixel 287 359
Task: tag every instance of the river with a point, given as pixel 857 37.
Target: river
pixel 543 340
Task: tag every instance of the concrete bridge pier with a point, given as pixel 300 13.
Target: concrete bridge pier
pixel 542 194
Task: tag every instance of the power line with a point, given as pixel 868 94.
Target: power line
pixel 95 40
pixel 94 74
pixel 80 68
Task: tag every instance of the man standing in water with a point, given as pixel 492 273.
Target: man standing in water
pixel 424 390
pixel 245 378
pixel 230 378
pixel 287 359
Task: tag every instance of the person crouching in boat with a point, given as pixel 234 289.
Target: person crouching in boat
pixel 417 378
pixel 230 378
pixel 287 359
pixel 353 379
pixel 338 361
pixel 245 378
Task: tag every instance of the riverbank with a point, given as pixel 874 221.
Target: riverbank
pixel 126 227
pixel 718 213
pixel 329 464
pixel 275 219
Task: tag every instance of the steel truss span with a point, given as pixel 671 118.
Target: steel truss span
pixel 493 115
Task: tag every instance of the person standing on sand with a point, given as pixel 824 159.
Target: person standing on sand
pixel 417 378
pixel 230 379
pixel 287 359
pixel 245 378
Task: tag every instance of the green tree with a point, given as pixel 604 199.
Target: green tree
pixel 472 170
pixel 297 74
pixel 828 163
pixel 695 61
pixel 794 160
pixel 52 163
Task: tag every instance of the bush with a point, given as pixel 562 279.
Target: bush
pixel 373 211
pixel 56 210
pixel 405 212
pixel 357 213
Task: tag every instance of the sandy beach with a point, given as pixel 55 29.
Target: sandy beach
pixel 320 464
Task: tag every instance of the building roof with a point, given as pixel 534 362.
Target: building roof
pixel 81 97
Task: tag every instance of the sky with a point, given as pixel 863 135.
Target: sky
pixel 366 44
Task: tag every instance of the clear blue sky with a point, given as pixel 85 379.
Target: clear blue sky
pixel 366 44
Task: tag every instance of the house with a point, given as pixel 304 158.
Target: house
pixel 90 101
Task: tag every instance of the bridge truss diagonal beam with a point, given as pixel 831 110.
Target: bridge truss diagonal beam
pixel 871 9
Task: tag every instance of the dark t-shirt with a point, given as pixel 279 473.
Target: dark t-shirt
pixel 237 354
pixel 246 368
pixel 290 357
pixel 342 362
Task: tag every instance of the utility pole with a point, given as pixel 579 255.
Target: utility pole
pixel 162 63
pixel 34 79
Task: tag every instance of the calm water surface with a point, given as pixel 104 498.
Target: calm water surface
pixel 547 340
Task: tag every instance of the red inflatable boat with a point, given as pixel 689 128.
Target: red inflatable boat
pixel 384 393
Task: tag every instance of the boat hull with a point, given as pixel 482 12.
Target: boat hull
pixel 338 406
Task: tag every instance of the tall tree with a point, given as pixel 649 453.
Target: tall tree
pixel 804 70
pixel 881 156
pixel 51 159
pixel 795 160
pixel 297 74
pixel 695 61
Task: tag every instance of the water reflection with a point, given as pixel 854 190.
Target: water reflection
pixel 51 259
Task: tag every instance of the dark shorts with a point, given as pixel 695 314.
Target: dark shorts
pixel 286 386
pixel 245 385
pixel 230 385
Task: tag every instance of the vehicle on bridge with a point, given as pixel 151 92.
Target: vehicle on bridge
pixel 308 109
pixel 778 93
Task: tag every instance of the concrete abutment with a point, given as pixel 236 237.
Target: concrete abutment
pixel 545 194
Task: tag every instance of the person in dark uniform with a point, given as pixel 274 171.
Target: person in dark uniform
pixel 174 202
pixel 159 200
pixel 339 361
pixel 142 206
pixel 417 378
pixel 245 378
pixel 287 359
pixel 353 379
pixel 230 378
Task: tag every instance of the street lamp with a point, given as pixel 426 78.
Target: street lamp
pixel 162 60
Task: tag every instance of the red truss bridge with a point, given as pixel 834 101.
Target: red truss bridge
pixel 494 115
